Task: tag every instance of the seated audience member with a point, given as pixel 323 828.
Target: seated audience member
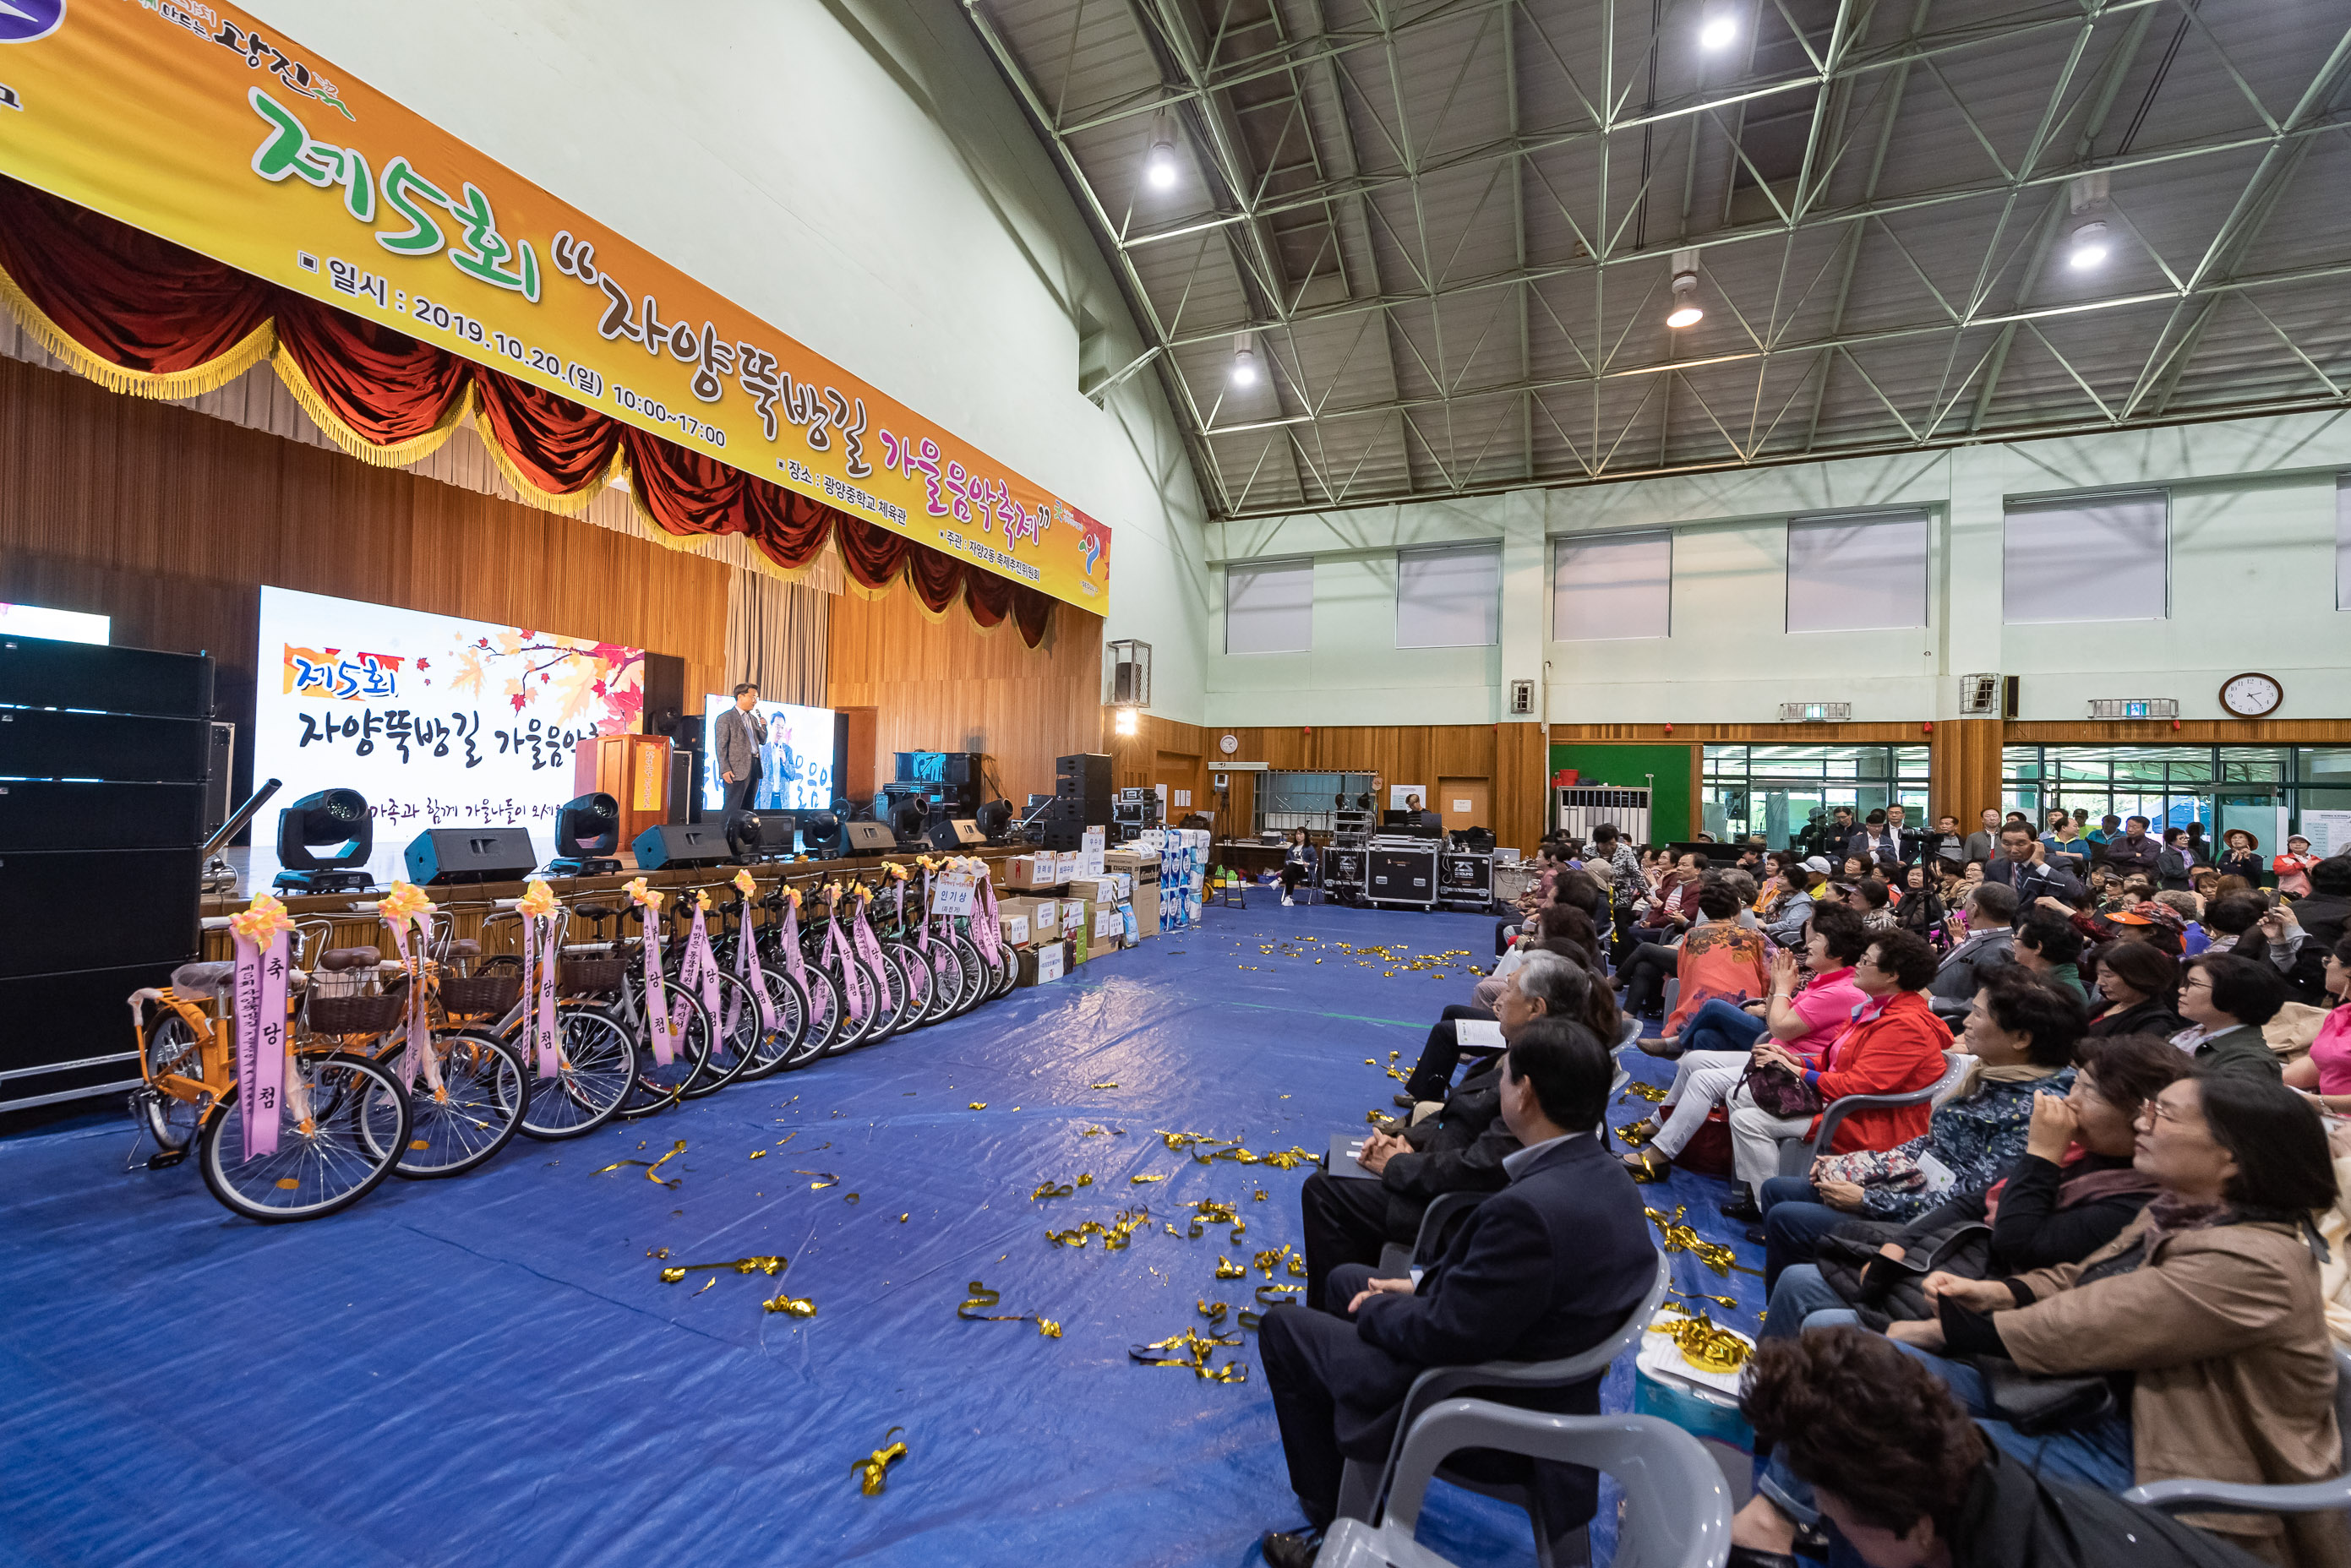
pixel 1669 911
pixel 1460 1148
pixel 1721 930
pixel 1853 869
pixel 1719 959
pixel 1875 899
pixel 1894 1046
pixel 2241 855
pixel 2244 924
pixel 1719 1038
pixel 2322 915
pixel 2021 1036
pixel 2324 1075
pixel 2048 947
pixel 1546 1267
pixel 2194 938
pixel 1563 931
pixel 2292 868
pixel 2226 1000
pixel 1297 864
pixel 2138 985
pixel 1922 909
pixel 1880 1454
pixel 1794 906
pixel 2070 1192
pixel 1988 910
pixel 1549 866
pixel 2203 1315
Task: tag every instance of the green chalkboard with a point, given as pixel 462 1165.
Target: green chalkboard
pixel 1673 814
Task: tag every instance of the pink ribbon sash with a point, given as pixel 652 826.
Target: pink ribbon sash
pixel 795 964
pixel 748 971
pixel 853 978
pixel 985 927
pixel 538 961
pixel 261 1040
pixel 700 969
pixel 417 1059
pixel 664 1033
pixel 869 948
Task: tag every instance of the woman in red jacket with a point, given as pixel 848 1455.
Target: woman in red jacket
pixel 1895 1046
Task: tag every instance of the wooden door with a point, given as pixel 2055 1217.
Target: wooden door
pixel 1464 803
pixel 1186 791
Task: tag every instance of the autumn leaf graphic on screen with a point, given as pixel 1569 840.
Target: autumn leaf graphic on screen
pixel 564 681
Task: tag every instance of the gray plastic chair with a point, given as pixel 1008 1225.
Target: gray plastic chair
pixel 1364 1484
pixel 1797 1154
pixel 1677 1509
pixel 2236 1497
pixel 1396 1262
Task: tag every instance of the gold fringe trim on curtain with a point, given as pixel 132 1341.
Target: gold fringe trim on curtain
pixel 256 346
pixel 569 504
pixel 699 544
pixel 399 455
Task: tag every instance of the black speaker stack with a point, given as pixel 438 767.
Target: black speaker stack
pixel 1082 799
pixel 104 763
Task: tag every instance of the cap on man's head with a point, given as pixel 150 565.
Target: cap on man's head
pixel 1818 864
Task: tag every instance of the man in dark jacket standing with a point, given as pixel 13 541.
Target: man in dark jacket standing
pixel 1545 1268
pixel 2134 851
pixel 741 734
pixel 1459 1149
pixel 2025 870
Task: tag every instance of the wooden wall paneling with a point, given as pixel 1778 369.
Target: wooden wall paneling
pixel 1963 769
pixel 949 686
pixel 171 522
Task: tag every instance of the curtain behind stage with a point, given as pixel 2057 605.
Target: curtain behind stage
pixel 144 316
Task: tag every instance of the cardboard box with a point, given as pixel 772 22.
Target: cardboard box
pixel 1146 917
pixel 1043 964
pixel 1041 870
pixel 1142 870
pixel 1076 915
pixel 1079 946
pixel 1042 915
pixel 1091 846
pixel 1015 928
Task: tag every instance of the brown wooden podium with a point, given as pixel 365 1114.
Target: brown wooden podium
pixel 633 770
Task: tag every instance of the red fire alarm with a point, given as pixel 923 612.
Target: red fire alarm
pixel 1306 729
pixel 1669 728
pixel 1928 727
pixel 2175 723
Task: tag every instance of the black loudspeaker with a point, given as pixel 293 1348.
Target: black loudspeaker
pixel 48 815
pixel 664 693
pixel 43 743
pixel 671 845
pixel 867 838
pixel 62 908
pixel 54 1039
pixel 1085 779
pixel 685 782
pixel 961 832
pixel 36 672
pixel 471 855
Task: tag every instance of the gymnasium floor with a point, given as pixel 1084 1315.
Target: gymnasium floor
pixel 490 1369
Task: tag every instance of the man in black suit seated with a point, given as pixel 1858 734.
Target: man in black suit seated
pixel 1458 1150
pixel 1543 1268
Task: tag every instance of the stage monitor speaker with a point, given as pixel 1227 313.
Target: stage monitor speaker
pixel 671 846
pixel 958 833
pixel 41 743
pixel 665 694
pixel 869 838
pixel 36 672
pixel 440 855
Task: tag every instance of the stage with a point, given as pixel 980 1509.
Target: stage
pixel 492 1368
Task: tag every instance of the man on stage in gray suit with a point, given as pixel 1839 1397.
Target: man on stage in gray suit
pixel 742 733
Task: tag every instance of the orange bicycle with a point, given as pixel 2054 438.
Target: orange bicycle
pixel 346 1121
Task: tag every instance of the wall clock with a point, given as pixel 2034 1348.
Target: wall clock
pixel 1228 744
pixel 2252 696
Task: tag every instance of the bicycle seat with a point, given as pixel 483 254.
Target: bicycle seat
pixel 594 911
pixel 337 960
pixel 465 947
pixel 203 979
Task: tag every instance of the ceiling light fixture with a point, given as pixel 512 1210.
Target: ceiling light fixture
pixel 1159 163
pixel 1685 311
pixel 1244 361
pixel 2090 247
pixel 1717 31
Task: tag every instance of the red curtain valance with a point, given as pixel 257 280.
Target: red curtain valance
pixel 144 316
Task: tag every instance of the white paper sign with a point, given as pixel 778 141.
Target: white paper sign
pixel 951 893
pixel 1461 808
pixel 1048 963
pixel 2329 832
pixel 1480 1034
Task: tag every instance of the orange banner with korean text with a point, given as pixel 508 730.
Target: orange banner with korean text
pixel 197 124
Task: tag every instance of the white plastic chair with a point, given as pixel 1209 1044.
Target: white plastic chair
pixel 1677 1510
pixel 1362 1484
pixel 2236 1497
pixel 1797 1154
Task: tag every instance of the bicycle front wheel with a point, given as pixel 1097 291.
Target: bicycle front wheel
pixel 358 1126
pixel 474 1114
pixel 732 1049
pixel 781 1047
pixel 596 1068
pixel 661 1084
pixel 827 1016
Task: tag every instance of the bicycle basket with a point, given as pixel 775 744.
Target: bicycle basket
pixel 354 1014
pixel 590 976
pixel 479 993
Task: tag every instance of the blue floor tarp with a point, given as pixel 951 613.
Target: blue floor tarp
pixel 491 1368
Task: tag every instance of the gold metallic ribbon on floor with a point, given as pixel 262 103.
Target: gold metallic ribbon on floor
pixel 1208 1212
pixel 1653 1093
pixel 1678 1237
pixel 1049 1190
pixel 1228 1270
pixel 1703 1342
pixel 1267 1262
pixel 1269 1295
pixel 1213 1310
pixel 1193 1350
pixel 981 1296
pixel 1115 1235
pixel 650 1166
pixel 797 1306
pixel 873 1469
pixel 764 1264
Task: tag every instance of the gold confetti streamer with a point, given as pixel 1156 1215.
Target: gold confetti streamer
pixel 762 1264
pixel 1193 1351
pixel 1703 1342
pixel 1085 1179
pixel 707 1283
pixel 1115 1235
pixel 1213 1310
pixel 1049 1189
pixel 980 1104
pixel 1139 1180
pixel 1268 1261
pixel 1730 1302
pixel 798 1307
pixel 1102 1086
pixel 1228 1270
pixel 873 1469
pixel 1653 1093
pixel 981 1296
pixel 675 1149
pixel 759 1154
pixel 1678 1237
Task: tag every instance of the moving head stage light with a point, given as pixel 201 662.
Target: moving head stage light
pixel 336 817
pixel 822 831
pixel 587 836
pixel 755 836
pixel 995 820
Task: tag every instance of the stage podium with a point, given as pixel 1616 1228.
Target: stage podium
pixel 633 770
